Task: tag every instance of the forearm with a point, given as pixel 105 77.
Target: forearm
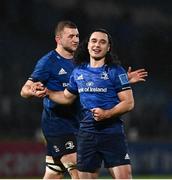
pixel 119 109
pixel 125 105
pixel 58 97
pixel 61 97
pixel 26 92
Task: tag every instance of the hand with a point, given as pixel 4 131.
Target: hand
pixel 137 75
pixel 38 89
pixel 37 86
pixel 40 93
pixel 99 114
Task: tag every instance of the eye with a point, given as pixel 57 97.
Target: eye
pixel 93 40
pixel 71 36
pixel 103 42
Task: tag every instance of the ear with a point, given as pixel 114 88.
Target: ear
pixel 108 48
pixel 57 38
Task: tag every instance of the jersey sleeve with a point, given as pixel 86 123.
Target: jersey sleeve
pixel 72 87
pixel 120 79
pixel 41 71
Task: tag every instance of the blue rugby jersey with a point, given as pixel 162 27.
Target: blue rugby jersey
pixel 54 72
pixel 98 87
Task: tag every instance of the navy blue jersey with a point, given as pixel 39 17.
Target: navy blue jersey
pixel 98 87
pixel 54 72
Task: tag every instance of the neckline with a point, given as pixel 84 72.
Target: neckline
pixel 61 57
pixel 100 67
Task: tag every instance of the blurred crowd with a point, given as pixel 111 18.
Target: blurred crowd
pixel 143 39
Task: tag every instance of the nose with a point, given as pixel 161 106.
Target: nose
pixel 97 44
pixel 76 39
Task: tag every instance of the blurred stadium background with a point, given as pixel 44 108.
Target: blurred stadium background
pixel 142 30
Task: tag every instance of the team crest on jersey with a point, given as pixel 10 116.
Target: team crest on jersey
pixel 56 148
pixel 62 71
pixel 69 145
pixel 123 79
pixel 104 76
pixel 80 77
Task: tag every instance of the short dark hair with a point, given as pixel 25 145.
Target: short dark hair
pixel 64 24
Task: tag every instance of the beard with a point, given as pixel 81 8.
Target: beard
pixel 70 50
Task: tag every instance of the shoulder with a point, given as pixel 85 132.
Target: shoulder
pixel 117 72
pixel 47 58
pixel 116 68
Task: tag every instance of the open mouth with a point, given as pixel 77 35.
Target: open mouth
pixel 96 51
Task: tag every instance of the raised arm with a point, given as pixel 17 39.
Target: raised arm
pixel 126 104
pixel 31 89
pixel 137 75
pixel 61 97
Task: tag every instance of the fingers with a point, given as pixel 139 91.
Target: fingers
pixel 129 69
pixel 93 110
pixel 40 93
pixel 94 113
pixel 142 75
pixel 142 79
pixel 142 72
pixel 139 71
pixel 97 114
pixel 38 89
pixel 38 86
pixel 38 83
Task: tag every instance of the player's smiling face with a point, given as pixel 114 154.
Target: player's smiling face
pixel 98 45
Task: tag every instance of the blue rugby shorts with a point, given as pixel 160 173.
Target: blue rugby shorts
pixel 93 149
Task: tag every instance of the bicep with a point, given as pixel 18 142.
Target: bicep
pixel 126 95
